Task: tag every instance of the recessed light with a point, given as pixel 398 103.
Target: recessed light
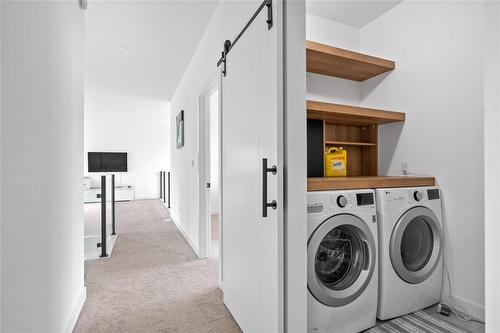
pixel 122 48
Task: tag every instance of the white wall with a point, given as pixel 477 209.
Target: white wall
pixel 438 82
pixel 123 122
pixel 41 165
pixel 226 22
pixel 130 78
pixel 491 30
pixel 321 30
pixel 322 87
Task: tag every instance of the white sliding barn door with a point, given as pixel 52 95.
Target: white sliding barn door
pixel 251 245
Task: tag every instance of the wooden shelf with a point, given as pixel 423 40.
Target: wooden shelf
pixel 355 128
pixel 345 64
pixel 351 115
pixel 342 183
pixel 347 143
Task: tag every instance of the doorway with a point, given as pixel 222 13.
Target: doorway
pixel 209 171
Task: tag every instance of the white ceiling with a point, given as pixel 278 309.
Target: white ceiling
pixel 142 48
pixel 354 13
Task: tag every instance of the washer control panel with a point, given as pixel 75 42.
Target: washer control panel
pixel 417 195
pixel 341 201
pixel 338 201
pixel 365 199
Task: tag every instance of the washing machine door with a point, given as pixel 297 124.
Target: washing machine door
pixel 415 246
pixel 341 260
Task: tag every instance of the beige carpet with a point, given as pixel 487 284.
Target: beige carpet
pixel 153 282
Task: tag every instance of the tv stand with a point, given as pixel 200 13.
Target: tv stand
pixel 122 193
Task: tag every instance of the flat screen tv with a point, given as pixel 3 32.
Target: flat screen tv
pixel 107 162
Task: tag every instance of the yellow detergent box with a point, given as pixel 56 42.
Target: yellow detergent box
pixel 336 162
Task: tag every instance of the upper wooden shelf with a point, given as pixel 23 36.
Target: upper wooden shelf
pixel 343 183
pixel 345 64
pixel 351 115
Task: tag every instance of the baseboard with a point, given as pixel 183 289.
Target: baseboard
pixel 76 311
pixel 146 198
pixel 112 242
pixel 475 310
pixel 186 237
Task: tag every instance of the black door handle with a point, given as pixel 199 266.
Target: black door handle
pixel 265 170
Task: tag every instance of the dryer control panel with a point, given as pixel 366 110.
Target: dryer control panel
pixel 433 194
pixel 422 195
pixel 396 198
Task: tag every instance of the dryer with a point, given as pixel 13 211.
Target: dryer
pixel 341 261
pixel 410 246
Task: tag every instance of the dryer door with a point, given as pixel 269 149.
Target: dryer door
pixel 341 260
pixel 415 246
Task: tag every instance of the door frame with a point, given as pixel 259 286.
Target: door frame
pixel 204 157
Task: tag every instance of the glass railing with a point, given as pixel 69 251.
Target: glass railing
pixel 100 218
pixel 108 216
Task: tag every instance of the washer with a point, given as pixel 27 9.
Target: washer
pixel 341 261
pixel 410 246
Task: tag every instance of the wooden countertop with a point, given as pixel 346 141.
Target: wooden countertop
pixel 343 183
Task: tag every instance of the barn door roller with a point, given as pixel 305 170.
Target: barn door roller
pixel 228 45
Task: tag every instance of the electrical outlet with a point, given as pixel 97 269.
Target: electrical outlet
pixel 405 167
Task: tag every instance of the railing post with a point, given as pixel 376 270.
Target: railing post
pixel 161 184
pixel 164 187
pixel 103 217
pixel 113 228
pixel 168 206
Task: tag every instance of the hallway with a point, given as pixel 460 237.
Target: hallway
pixel 153 282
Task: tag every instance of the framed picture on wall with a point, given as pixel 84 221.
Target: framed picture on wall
pixel 179 125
